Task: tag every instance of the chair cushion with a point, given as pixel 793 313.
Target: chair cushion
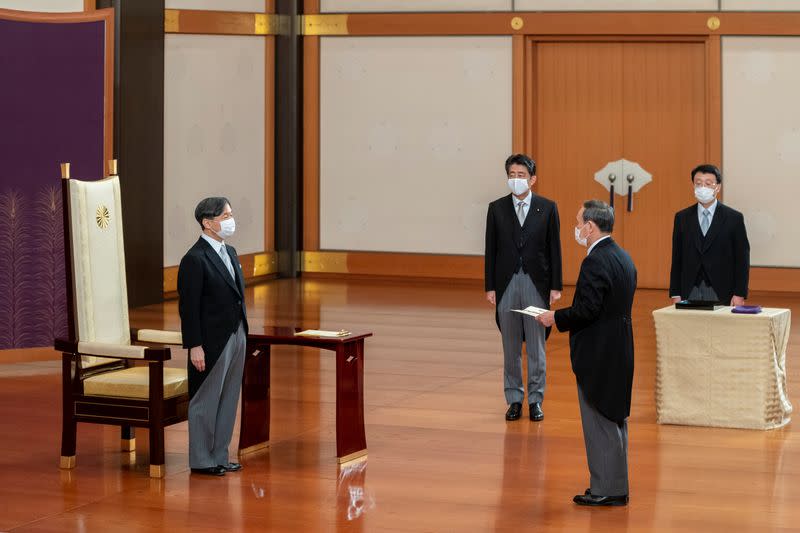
pixel 134 383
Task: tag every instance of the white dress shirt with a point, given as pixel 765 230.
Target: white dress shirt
pixel 526 203
pixel 711 209
pixel 215 244
pixel 595 243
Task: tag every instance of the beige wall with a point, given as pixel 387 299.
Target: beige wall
pixel 353 6
pixel 615 5
pixel 414 132
pixel 43 5
pixel 761 5
pixel 256 6
pixel 213 136
pixel 761 142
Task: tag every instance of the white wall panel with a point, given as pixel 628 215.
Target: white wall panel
pixel 43 5
pixel 414 133
pixel 256 6
pixel 213 136
pixel 616 5
pixel 760 5
pixel 761 140
pixel 356 6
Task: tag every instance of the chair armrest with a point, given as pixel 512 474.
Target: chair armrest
pixel 112 350
pixel 157 336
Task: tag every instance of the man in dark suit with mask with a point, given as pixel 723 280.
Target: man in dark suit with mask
pixel 214 328
pixel 601 351
pixel 710 250
pixel 522 268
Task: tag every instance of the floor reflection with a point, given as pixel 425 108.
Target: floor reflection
pixel 353 500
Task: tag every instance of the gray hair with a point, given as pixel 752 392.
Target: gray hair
pixel 600 213
pixel 209 208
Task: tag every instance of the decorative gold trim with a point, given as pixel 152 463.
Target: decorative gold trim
pixel 265 264
pixel 352 457
pixel 517 23
pixel 65 171
pixel 253 449
pixel 266 24
pixel 172 20
pixel 157 470
pixel 324 25
pixel 128 445
pixel 328 262
pixel 713 23
pixel 67 462
pixel 102 216
pixel 112 167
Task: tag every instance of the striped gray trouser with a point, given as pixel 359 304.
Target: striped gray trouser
pixel 212 410
pixel 519 294
pixel 606 451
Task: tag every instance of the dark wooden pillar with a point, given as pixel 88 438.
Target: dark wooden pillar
pixel 139 141
pixel 288 139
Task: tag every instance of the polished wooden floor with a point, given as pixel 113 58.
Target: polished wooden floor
pixel 441 456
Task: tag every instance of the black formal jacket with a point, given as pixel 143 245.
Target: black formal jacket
pixel 724 253
pixel 211 304
pixel 536 245
pixel 600 329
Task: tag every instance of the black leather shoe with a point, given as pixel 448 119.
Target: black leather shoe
pixel 514 411
pixel 210 471
pixel 231 467
pixel 596 501
pixel 536 412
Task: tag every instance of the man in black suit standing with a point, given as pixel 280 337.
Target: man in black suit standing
pixel 522 268
pixel 710 250
pixel 601 351
pixel 214 328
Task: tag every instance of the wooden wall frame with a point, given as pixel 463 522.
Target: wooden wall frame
pixel 707 26
pixel 525 29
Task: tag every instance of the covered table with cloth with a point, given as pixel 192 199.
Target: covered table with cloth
pixel 722 369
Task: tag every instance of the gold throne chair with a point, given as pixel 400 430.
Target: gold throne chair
pixel 107 378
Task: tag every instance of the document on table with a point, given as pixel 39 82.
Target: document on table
pixel 322 333
pixel 531 311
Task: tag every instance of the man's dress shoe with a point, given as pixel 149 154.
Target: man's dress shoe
pixel 536 413
pixel 514 411
pixel 596 501
pixel 210 471
pixel 231 467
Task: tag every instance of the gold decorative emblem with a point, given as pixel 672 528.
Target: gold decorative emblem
pixel 517 23
pixel 713 23
pixel 102 216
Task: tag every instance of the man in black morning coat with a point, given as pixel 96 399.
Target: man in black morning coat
pixel 601 350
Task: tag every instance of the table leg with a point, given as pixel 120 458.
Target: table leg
pixel 254 425
pixel 351 441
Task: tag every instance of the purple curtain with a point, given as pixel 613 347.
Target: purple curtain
pixel 51 111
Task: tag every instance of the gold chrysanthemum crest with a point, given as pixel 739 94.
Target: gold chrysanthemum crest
pixel 102 216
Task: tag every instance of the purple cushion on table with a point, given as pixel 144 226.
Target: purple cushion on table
pixel 747 309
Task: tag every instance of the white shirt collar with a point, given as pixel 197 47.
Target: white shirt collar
pixel 527 200
pixel 215 244
pixel 595 243
pixel 711 209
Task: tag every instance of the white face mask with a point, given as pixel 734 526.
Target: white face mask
pixel 580 240
pixel 518 186
pixel 704 195
pixel 227 228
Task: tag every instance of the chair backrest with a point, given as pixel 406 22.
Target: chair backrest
pixel 99 290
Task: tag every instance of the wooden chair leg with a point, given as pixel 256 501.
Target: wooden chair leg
pixel 157 419
pixel 127 439
pixel 69 426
